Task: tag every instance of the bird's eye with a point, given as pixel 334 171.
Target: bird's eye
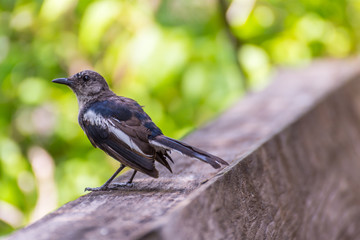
pixel 86 77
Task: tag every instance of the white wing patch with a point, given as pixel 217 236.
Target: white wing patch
pixel 98 120
pixel 95 119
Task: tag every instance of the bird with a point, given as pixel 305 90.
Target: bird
pixel 121 128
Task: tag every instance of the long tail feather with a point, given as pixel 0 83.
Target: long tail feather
pixel 172 144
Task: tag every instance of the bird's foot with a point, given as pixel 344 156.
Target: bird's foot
pixel 113 186
pixel 102 188
pixel 121 185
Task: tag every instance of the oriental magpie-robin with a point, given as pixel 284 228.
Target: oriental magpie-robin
pixel 120 127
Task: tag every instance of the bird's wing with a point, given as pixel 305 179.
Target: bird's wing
pixel 117 130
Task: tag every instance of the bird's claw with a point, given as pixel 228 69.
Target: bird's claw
pixel 113 186
pixel 123 184
pixel 96 189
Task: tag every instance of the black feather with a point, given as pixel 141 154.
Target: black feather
pixel 111 109
pixel 160 157
pixel 110 144
pixel 190 151
pixel 154 130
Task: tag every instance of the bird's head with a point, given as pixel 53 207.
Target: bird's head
pixel 85 84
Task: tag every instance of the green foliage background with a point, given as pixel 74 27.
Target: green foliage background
pixel 174 57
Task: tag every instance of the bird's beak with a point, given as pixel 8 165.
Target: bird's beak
pixel 64 81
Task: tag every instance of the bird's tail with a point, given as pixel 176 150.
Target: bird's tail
pixel 172 144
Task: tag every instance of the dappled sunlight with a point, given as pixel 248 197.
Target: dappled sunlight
pixel 52 10
pixel 239 11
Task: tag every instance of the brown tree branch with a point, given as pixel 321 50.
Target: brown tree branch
pixel 235 42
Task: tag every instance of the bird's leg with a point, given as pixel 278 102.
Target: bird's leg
pixel 105 187
pixel 128 183
pixel 132 177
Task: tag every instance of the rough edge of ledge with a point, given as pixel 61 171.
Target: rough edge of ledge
pixel 157 230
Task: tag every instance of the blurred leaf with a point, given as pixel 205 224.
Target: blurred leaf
pixel 98 16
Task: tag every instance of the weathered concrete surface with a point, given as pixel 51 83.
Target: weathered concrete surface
pixel 294 150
